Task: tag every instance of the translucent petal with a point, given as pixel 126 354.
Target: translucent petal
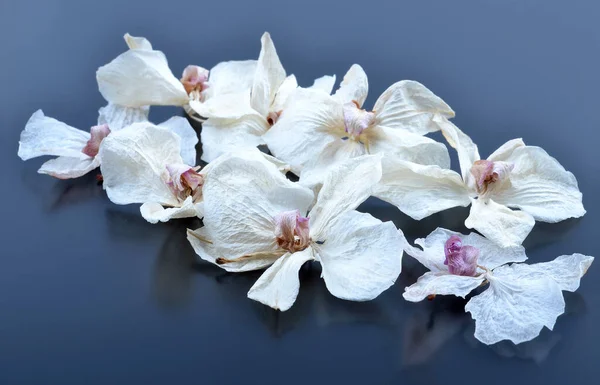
pixel 565 270
pixel 118 117
pixel 268 76
pixel 498 223
pixel 154 212
pixel 188 136
pixel 410 106
pixel 134 42
pixel 354 86
pixel 504 152
pixel 441 283
pixel 361 256
pixel 288 86
pixel 224 135
pixel 225 106
pixel 466 149
pixel 324 83
pixel 231 77
pixel 65 167
pixel 278 286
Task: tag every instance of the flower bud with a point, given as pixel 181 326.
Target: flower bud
pixel 461 260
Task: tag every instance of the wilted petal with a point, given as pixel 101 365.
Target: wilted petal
pixel 410 106
pixel 65 167
pixel 118 117
pixel 97 133
pixel 499 223
pixel 292 231
pixel 516 306
pixel 565 270
pixel 324 83
pixel 231 77
pixel 490 177
pixel 541 186
pixel 441 283
pixel 133 164
pixel 225 106
pixel 361 256
pixel 188 136
pixel 278 286
pixel 354 86
pixel 268 76
pixel 140 77
pixel 154 212
pixel 47 136
pixel 344 189
pixel 418 190
pixel 134 42
pixel 223 135
pixel 466 149
pixel 504 152
pixel 284 91
pixel 305 128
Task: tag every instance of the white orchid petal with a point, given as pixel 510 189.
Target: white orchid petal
pixel 408 146
pixel 65 167
pixel 278 286
pixel 251 153
pixel 541 186
pixel 47 136
pixel 268 76
pixel 134 42
pixel 354 86
pixel 516 306
pixel 418 190
pixel 305 128
pixel 324 83
pixel 441 283
pixel 565 270
pixel 504 152
pixel 154 212
pixel 118 117
pixel 224 135
pixel 466 149
pixel 361 256
pixel 188 136
pixel 286 88
pixel 140 77
pixel 225 106
pixel 410 106
pixel 345 187
pixel 231 77
pixel 134 164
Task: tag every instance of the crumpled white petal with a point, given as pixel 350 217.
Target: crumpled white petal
pixel 278 286
pixel 187 134
pixel 466 149
pixel 269 75
pixel 541 186
pixel 499 223
pixel 324 83
pixel 410 106
pixel 224 135
pixel 284 91
pixel 356 179
pixel 118 117
pixel 134 164
pixel 441 283
pixel 516 306
pixel 361 256
pixel 231 77
pixel 140 77
pixel 354 86
pixel 565 270
pixel 65 167
pixel 154 212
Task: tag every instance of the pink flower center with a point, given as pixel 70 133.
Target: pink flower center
pixel 98 133
pixel 489 175
pixel 460 259
pixel 292 231
pixel 357 120
pixel 185 180
pixel 194 78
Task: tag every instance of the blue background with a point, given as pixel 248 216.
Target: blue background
pixel 92 294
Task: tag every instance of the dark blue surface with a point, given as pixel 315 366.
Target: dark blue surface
pixel 92 294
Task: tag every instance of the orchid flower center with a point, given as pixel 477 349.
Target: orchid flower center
pixel 292 231
pixel 185 181
pixel 490 175
pixel 460 259
pixel 98 133
pixel 357 120
pixel 194 78
pixel 272 117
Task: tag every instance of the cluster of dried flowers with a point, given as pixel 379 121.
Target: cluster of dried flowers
pixel 256 218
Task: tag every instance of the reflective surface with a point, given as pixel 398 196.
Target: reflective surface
pixel 91 293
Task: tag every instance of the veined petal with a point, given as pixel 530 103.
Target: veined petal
pixel 441 283
pixel 140 77
pixel 65 167
pixel 188 136
pixel 516 306
pixel 305 128
pixel 225 106
pixel 404 145
pixel 565 270
pixel 361 256
pixel 466 149
pixel 223 135
pixel 118 117
pixel 324 83
pixel 268 76
pixel 418 190
pixel 231 77
pixel 284 91
pixel 354 86
pixel 47 136
pixel 498 223
pixel 344 189
pixel 541 186
pixel 278 286
pixel 154 212
pixel 134 164
pixel 242 197
pixel 251 153
pixel 410 106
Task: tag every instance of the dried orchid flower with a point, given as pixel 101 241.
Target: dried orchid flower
pixel 256 218
pixel 514 176
pixel 319 130
pixel 521 299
